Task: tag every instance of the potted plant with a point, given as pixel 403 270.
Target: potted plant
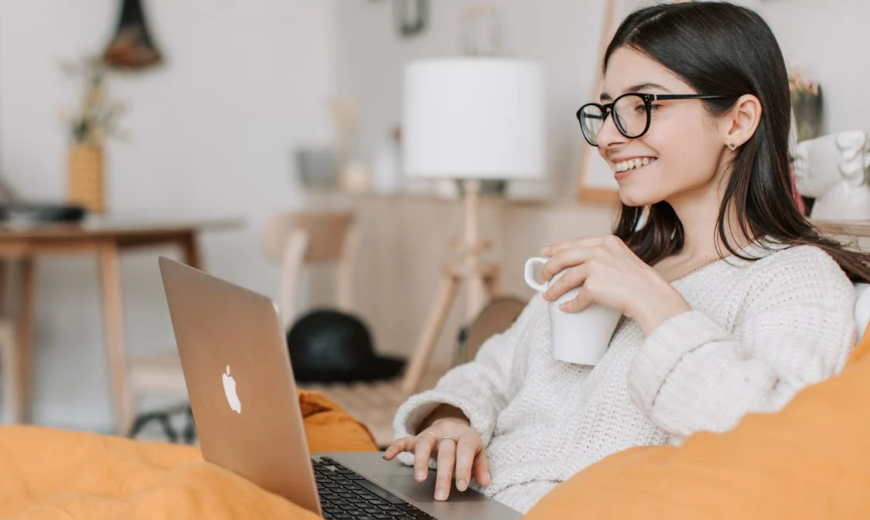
pixel 806 100
pixel 92 121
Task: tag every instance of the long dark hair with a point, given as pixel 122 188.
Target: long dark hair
pixel 720 48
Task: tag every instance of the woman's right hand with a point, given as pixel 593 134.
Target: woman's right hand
pixel 455 445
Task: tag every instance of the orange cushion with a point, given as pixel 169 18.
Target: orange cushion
pixel 329 428
pixel 810 460
pixel 46 473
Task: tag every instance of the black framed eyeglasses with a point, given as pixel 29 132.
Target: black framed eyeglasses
pixel 631 113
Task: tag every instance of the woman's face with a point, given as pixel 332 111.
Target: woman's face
pixel 679 156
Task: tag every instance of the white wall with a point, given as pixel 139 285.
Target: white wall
pixel 211 134
pixel 829 41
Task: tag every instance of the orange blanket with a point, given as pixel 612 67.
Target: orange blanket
pixel 48 473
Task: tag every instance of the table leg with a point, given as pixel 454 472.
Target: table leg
pixel 191 252
pixel 24 355
pixel 4 285
pixel 110 281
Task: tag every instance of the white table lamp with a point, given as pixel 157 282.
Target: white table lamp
pixel 469 119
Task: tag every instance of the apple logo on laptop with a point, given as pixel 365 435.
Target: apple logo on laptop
pixel 230 391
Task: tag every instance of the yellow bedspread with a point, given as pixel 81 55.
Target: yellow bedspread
pixel 49 473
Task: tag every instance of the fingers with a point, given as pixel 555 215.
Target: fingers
pixel 572 279
pixel 446 463
pixel 398 446
pixel 466 449
pixel 464 457
pixel 422 452
pixel 565 259
pixel 481 469
pixel 577 303
pixel 554 249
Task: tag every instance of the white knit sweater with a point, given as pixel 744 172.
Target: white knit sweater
pixel 757 333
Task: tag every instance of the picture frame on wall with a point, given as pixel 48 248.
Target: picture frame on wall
pixel 595 178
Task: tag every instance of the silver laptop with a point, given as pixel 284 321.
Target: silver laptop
pixel 243 396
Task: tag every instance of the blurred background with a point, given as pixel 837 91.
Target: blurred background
pixel 232 111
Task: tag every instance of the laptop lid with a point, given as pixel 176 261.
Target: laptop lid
pixel 239 381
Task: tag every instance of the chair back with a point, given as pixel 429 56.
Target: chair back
pixel 495 318
pixel 297 239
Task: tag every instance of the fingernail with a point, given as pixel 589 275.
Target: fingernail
pixel 440 494
pixel 546 250
pixel 563 306
pixel 421 475
pixel 461 485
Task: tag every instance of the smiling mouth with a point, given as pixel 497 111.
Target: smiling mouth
pixel 632 164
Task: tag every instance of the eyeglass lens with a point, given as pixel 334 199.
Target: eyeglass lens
pixel 629 114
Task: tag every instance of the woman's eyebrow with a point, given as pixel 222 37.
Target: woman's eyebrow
pixel 646 86
pixel 636 88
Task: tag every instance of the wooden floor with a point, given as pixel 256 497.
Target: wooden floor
pixel 374 404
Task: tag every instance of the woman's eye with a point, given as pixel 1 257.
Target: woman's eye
pixel 655 106
pixel 639 108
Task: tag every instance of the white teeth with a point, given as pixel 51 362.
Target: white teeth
pixel 632 164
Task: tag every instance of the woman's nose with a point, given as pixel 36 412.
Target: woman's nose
pixel 609 135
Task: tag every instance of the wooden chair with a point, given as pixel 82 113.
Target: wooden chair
pixel 494 319
pixel 298 239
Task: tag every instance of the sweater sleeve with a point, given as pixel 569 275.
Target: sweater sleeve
pixel 480 388
pixel 795 329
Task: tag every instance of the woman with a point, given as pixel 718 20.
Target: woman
pixel 731 300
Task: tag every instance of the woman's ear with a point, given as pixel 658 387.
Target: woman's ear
pixel 740 123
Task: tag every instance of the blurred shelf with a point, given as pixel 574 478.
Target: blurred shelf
pixel 855 228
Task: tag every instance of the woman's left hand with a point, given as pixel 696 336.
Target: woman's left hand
pixel 610 274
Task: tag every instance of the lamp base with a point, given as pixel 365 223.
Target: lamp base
pixel 480 280
pixel 453 275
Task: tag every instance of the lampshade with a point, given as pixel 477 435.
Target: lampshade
pixel 473 118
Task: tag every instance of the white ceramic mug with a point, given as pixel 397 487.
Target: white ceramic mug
pixel 576 337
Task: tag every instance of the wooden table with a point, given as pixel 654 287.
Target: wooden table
pixel 105 238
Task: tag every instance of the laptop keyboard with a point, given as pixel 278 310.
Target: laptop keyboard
pixel 346 495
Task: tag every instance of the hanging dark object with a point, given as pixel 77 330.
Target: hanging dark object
pixel 131 48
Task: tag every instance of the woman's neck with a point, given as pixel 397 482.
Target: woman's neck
pixel 701 234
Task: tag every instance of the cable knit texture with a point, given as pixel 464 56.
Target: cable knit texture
pixel 757 333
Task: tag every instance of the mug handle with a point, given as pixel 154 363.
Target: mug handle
pixel 529 273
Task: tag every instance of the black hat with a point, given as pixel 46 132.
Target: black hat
pixel 331 346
